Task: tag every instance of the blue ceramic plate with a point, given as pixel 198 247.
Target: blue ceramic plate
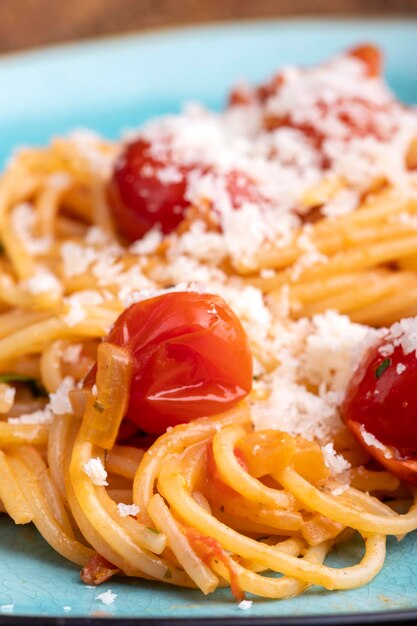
pixel 116 84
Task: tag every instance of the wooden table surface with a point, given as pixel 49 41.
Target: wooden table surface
pixel 32 23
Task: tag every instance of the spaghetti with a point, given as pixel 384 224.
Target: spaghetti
pixel 296 202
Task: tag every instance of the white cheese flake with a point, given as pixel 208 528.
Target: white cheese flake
pixel 107 597
pixel 127 509
pixel 404 334
pixel 76 258
pixel 42 281
pixel 72 353
pixel 23 223
pixel 96 472
pixel 41 416
pixel 337 491
pixel 59 402
pixel 373 442
pixel 77 305
pixel 245 605
pixel 148 244
pixel 335 462
pixel 386 350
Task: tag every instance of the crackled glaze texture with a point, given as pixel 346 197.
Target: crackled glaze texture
pixel 37 581
pixel 159 72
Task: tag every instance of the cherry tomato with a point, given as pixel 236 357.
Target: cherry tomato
pixel 381 400
pixel 241 189
pixel 146 191
pixel 371 56
pixel 358 118
pixel 270 88
pixel 241 95
pixel 192 358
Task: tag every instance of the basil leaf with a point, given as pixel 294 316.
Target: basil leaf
pixel 382 367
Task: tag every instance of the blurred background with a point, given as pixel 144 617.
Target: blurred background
pixel 33 23
pixel 110 88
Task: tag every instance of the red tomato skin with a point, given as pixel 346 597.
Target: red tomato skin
pixel 371 56
pixel 241 189
pixel 386 405
pixel 406 469
pixel 139 199
pixel 192 358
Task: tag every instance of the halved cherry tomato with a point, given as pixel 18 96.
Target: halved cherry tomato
pixel 381 401
pixel 147 191
pixel 192 358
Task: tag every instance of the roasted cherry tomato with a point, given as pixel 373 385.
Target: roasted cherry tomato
pixel 371 56
pixel 241 189
pixel 147 191
pixel 192 358
pixel 380 407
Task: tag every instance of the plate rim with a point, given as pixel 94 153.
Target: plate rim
pixel 405 617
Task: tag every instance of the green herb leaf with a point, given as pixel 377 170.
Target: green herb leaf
pixel 382 367
pixel 168 574
pixel 34 385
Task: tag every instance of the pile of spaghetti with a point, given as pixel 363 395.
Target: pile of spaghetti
pixel 181 316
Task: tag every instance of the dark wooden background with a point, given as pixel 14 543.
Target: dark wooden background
pixel 31 23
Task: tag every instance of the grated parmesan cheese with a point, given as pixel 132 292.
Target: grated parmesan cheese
pixel 72 353
pixel 148 244
pixel 321 352
pixel 372 441
pixel 59 402
pixel 386 350
pixel 335 462
pixel 23 223
pixel 404 334
pixel 76 258
pixel 77 303
pixel 42 281
pixel 107 597
pixel 127 509
pixel 245 605
pixel 332 349
pixel 96 472
pixel 42 416
pixel 337 491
